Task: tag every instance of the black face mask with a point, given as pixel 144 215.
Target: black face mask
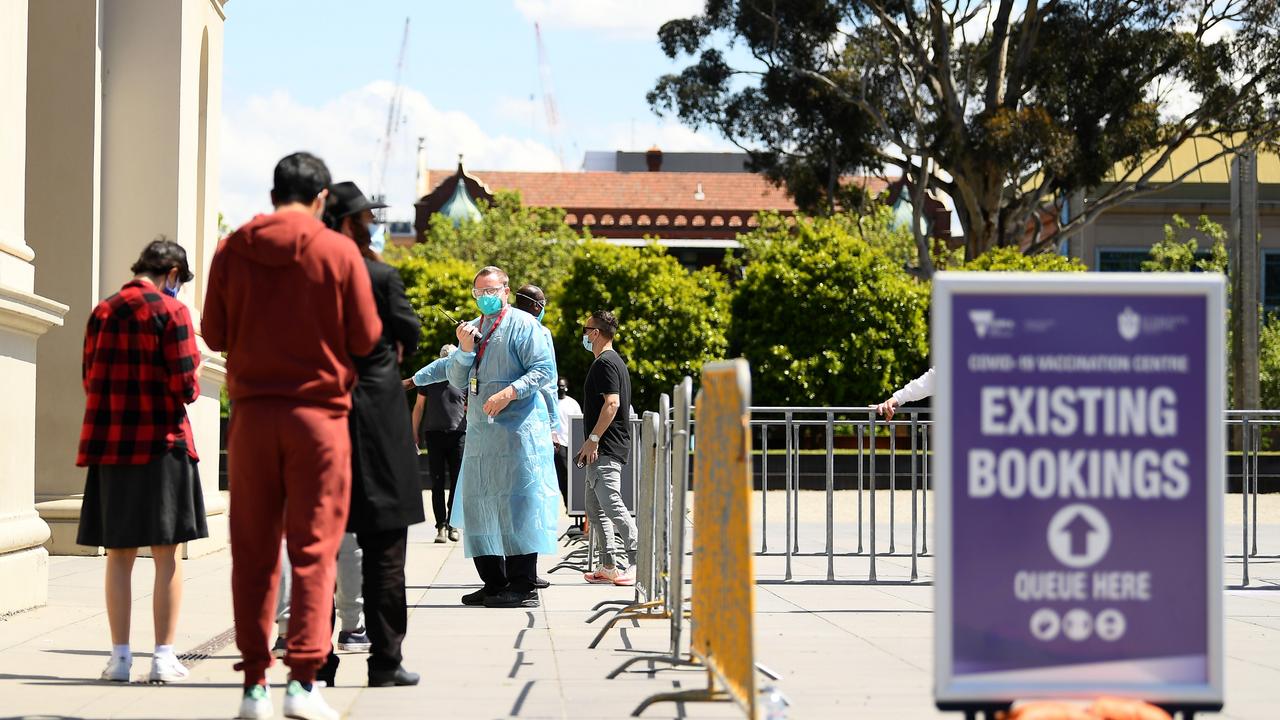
pixel 561 392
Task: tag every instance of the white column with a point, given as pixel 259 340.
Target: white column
pixel 24 317
pixel 64 119
pixel 153 87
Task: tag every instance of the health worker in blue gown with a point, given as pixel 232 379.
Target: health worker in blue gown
pixel 506 500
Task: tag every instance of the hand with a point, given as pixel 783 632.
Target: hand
pixel 499 401
pixel 887 408
pixel 407 383
pixel 589 453
pixel 466 337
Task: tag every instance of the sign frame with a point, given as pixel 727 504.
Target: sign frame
pixel 953 694
pixel 577 504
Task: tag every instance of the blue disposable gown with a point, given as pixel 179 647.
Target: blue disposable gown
pixel 507 493
pixel 435 372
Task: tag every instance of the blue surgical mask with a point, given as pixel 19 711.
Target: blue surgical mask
pixel 489 304
pixel 541 314
pixel 586 343
pixel 171 291
pixel 377 237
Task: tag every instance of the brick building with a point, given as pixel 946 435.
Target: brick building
pixel 695 204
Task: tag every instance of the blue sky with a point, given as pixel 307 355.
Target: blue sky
pixel 317 75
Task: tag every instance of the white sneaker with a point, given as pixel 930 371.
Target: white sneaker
pixel 256 704
pixel 303 705
pixel 167 669
pixel 117 669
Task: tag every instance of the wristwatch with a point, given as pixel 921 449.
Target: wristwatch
pixel 594 438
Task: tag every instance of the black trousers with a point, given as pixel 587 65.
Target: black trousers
pixel 514 572
pixel 444 461
pixel 562 472
pixel 386 618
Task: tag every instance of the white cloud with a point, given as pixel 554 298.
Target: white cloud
pixel 670 136
pixel 346 131
pixel 627 18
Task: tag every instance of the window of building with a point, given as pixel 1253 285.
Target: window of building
pixel 1131 259
pixel 1271 280
pixel 1122 260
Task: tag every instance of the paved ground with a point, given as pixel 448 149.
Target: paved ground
pixel 844 650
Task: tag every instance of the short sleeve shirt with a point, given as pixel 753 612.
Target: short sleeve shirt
pixel 609 376
pixel 446 407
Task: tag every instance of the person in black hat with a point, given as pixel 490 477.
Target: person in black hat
pixel 351 213
pixel 385 497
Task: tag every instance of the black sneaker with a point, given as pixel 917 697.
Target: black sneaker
pixel 512 599
pixel 541 583
pixel 354 641
pixel 475 599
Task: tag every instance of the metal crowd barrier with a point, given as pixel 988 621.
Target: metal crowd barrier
pixel 865 428
pixel 1247 431
pixel 877 465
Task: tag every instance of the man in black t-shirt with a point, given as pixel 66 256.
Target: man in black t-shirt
pixel 605 417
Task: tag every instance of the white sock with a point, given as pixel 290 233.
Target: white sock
pixel 121 651
pixel 163 650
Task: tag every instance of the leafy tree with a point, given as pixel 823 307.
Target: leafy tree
pixel 671 320
pixel 1175 255
pixel 432 285
pixel 1010 259
pixel 534 245
pixel 825 311
pixel 1269 363
pixel 1005 105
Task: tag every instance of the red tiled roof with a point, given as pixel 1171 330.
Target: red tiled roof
pixel 650 190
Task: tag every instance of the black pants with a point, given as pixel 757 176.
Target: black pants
pixel 444 459
pixel 385 616
pixel 562 472
pixel 514 572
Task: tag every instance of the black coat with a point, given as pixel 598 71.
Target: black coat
pixel 385 490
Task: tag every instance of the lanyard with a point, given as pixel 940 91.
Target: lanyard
pixel 484 343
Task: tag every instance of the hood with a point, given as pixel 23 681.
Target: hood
pixel 276 239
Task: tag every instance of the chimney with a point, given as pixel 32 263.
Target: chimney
pixel 424 174
pixel 653 158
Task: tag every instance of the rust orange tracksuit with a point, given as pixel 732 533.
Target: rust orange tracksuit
pixel 290 303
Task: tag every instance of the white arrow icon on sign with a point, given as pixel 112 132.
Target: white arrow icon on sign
pixel 1079 535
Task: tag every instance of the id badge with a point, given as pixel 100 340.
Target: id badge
pixel 475 385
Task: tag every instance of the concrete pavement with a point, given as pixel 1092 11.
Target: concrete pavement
pixel 843 650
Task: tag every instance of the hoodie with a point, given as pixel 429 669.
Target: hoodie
pixel 290 302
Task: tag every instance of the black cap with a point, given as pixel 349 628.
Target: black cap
pixel 346 199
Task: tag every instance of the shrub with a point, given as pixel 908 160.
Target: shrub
pixel 671 320
pixel 826 313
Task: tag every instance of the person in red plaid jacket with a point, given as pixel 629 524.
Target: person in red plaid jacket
pixel 143 488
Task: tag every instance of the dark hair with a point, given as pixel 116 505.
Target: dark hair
pixel 531 299
pixel 161 256
pixel 299 178
pixel 607 321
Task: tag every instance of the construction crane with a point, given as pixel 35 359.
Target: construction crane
pixel 393 122
pixel 548 96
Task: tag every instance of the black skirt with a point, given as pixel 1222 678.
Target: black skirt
pixel 130 506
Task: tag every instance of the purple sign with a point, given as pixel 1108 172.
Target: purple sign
pixel 1080 441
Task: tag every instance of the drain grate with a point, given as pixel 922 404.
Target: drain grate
pixel 209 648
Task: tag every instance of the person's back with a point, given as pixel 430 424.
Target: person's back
pixel 281 293
pixel 446 408
pixel 291 303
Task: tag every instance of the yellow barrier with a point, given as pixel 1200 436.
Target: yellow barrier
pixel 723 574
pixel 724 601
